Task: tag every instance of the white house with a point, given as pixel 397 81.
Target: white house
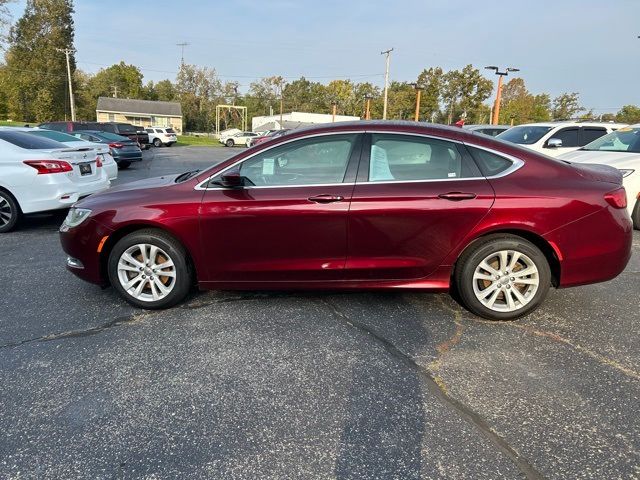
pixel 295 120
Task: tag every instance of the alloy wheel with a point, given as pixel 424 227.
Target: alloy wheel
pixel 6 212
pixel 506 281
pixel 146 272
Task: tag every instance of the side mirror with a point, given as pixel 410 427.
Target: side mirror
pixel 232 179
pixel 554 143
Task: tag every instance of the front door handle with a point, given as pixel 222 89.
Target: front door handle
pixel 326 198
pixel 457 196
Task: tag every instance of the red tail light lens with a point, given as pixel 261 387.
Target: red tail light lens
pixel 49 166
pixel 617 198
pixel 98 161
pixel 116 145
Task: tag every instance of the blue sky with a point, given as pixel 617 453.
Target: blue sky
pixel 588 46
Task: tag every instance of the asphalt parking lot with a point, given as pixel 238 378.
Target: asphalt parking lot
pixel 307 385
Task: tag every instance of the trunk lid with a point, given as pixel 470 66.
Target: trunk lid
pixel 83 161
pixel 599 173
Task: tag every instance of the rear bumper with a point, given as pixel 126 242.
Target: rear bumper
pixel 128 157
pixel 593 249
pixel 54 196
pixel 81 243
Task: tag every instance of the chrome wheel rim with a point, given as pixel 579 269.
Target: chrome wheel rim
pixel 5 212
pixel 146 272
pixel 506 281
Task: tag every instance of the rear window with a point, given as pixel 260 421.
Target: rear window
pixel 29 141
pixel 113 136
pixel 126 128
pixel 490 164
pixel 170 130
pixel 57 136
pixel 86 126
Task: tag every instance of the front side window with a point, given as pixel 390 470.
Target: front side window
pixel 569 137
pixel 589 134
pixel 406 158
pixel 311 161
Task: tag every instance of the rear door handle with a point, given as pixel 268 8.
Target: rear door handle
pixel 326 198
pixel 457 196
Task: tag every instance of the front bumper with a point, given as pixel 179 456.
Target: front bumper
pixel 81 244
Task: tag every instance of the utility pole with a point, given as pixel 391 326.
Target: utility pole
pixel 114 89
pixel 496 108
pixel 386 82
pixel 418 93
pixel 182 45
pixel 334 106
pixel 67 52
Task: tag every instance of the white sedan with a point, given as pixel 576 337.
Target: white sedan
pixel 108 163
pixel 620 149
pixel 38 174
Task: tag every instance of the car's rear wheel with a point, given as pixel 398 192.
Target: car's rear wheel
pixel 124 165
pixel 157 142
pixel 636 215
pixel 9 212
pixel 502 277
pixel 230 143
pixel 149 269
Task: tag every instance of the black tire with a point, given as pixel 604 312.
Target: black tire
pixel 483 248
pixel 147 146
pixel 169 144
pixel 123 165
pixel 9 212
pixel 174 250
pixel 157 142
pixel 230 143
pixel 635 216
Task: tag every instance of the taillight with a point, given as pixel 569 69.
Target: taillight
pixel 617 198
pixel 49 166
pixel 116 145
pixel 98 161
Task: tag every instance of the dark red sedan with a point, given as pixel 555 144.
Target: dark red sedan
pixel 365 205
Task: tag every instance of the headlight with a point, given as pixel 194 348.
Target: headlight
pixel 75 217
pixel 626 172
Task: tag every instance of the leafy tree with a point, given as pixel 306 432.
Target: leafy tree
pixel 266 94
pixel 566 106
pixel 431 83
pixel 628 114
pixel 123 78
pixel 463 93
pixel 199 90
pixel 522 106
pixel 166 91
pixel 36 77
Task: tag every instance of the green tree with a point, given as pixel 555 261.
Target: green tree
pixel 166 91
pixel 199 90
pixel 628 114
pixel 124 79
pixel 521 105
pixel 464 92
pixel 36 69
pixel 266 94
pixel 431 82
pixel 567 106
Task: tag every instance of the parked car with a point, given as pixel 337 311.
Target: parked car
pixel 122 129
pixel 144 142
pixel 160 136
pixel 102 150
pixel 619 149
pixel 556 138
pixel 38 174
pixel 123 150
pixel 240 138
pixel 268 136
pixel 491 130
pixel 381 205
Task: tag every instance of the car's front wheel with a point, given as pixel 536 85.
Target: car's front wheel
pixel 149 269
pixel 502 277
pixel 230 143
pixel 9 212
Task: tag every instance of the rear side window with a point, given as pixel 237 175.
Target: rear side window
pixel 406 158
pixel 490 164
pixel 170 130
pixel 59 127
pixel 589 134
pixel 29 141
pixel 159 131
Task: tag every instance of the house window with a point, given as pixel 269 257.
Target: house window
pixel 112 117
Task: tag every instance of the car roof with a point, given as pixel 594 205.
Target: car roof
pixel 572 123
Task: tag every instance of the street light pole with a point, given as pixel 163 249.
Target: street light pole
pixel 386 82
pixel 334 106
pixel 418 93
pixel 496 108
pixel 367 115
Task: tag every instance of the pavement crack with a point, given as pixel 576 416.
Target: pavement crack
pixel 79 333
pixel 437 390
pixel 240 298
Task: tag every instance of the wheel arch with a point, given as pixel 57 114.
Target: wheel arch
pixel 545 247
pixel 12 195
pixel 125 230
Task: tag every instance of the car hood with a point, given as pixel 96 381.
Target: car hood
pixel 613 159
pixel 127 192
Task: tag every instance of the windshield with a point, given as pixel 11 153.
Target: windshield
pixel 623 140
pixel 57 136
pixel 524 134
